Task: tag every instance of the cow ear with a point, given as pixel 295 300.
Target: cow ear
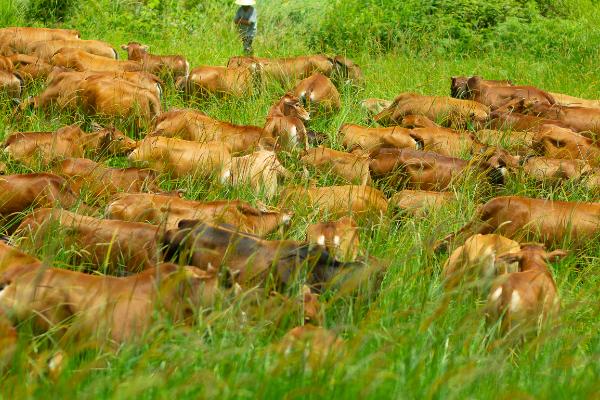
pixel 145 47
pixel 556 255
pixel 124 47
pixel 510 257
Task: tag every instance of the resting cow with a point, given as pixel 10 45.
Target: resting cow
pixel 182 157
pixel 580 119
pixel 209 80
pixel 419 202
pixel 285 70
pixel 521 218
pixel 68 141
pixel 29 68
pixel 81 60
pixel 460 90
pixel 104 243
pixel 555 169
pixel 47 48
pixel 318 91
pixel 260 170
pixel 87 176
pixel 369 139
pixel 520 122
pixel 556 142
pixel 169 210
pixel 95 307
pixel 566 100
pixel 350 167
pixel 340 237
pixel 496 96
pixel 18 39
pixel 255 259
pixel 285 122
pixel 174 66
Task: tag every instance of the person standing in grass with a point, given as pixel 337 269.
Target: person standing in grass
pixel 245 19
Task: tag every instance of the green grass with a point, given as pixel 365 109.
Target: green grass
pixel 409 339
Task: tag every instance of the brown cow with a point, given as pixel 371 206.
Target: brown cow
pixel 318 90
pixel 495 96
pixel 556 142
pixel 175 66
pixel 444 141
pixel 524 300
pixel 477 261
pixel 374 106
pixel 11 257
pixel 369 139
pixel 182 157
pixel 337 200
pixel 286 70
pixel 100 181
pixel 169 210
pixel 459 89
pixel 339 237
pixel 427 170
pixel 10 84
pixel 189 124
pixel 209 80
pixel 519 218
pixel 18 39
pixel 351 167
pixel 347 70
pixel 285 122
pixel 419 202
pixel 104 243
pixel 521 122
pixel 553 169
pixel 68 141
pixel 80 60
pixel 316 346
pixel 103 307
pixel 261 170
pixel 45 49
pixel 580 119
pixel 447 110
pixel 29 68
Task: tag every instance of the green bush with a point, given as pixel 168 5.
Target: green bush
pixel 49 11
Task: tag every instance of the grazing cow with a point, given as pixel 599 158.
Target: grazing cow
pixel 337 200
pixel 47 48
pixel 68 141
pixel 553 169
pixel 18 39
pixel 169 210
pixel 419 202
pixel 117 309
pixel 100 181
pixel 566 100
pixel 520 218
pixel 580 119
pixel 449 111
pixel 182 157
pixel 351 167
pixel 189 124
pixel 285 122
pixel 340 237
pixel 175 66
pixel 370 139
pixel 426 170
pixel 495 96
pixel 286 70
pixel 103 242
pixel 261 170
pixel 255 259
pixel 477 261
pixel 556 142
pixel 460 90
pixel 525 299
pixel 318 90
pixel 80 60
pixel 209 80
pixel 18 192
pixel 374 106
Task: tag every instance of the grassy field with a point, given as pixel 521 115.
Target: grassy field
pixel 408 339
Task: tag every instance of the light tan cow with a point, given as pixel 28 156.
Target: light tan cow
pixel 47 48
pixel 420 202
pixel 18 39
pixel 352 167
pixel 260 170
pixel 81 60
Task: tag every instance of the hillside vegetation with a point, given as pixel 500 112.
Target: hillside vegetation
pixel 407 338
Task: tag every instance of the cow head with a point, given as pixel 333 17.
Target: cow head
pixel 135 50
pixel 114 141
pixel 292 107
pixel 312 308
pixel 458 87
pixel 348 70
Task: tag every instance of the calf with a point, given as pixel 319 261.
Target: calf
pixel 427 170
pixel 495 96
pixel 69 141
pixel 189 124
pixel 102 242
pixel 525 299
pixel 285 122
pixel 80 60
pixel 370 139
pixel 318 90
pixel 45 49
pixel 14 40
pixel 175 66
pixel 447 110
pixel 522 218
pixel 169 210
pixel 182 157
pixel 351 167
pixel 337 200
pixel 418 202
pixel 100 181
pixel 477 261
pixel 106 308
pixel 260 170
pixel 255 259
pixel 340 237
pixel 207 80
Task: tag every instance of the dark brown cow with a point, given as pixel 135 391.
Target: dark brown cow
pixel 495 96
pixel 175 66
pixel 169 210
pixel 460 90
